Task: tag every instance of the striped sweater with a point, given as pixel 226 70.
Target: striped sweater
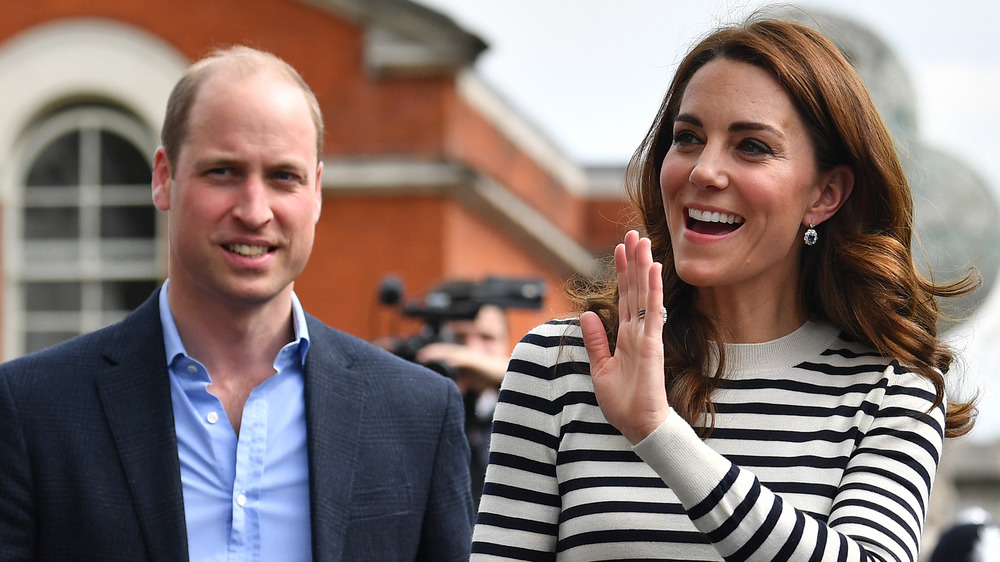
pixel 822 450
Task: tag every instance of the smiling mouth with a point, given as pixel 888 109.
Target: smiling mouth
pixel 249 250
pixel 713 222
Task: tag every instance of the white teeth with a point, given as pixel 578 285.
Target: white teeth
pixel 247 250
pixel 710 216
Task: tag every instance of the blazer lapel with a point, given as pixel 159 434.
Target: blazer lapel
pixel 334 402
pixel 135 392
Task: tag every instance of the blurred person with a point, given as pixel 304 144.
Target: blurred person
pixel 476 352
pixel 762 378
pixel 219 420
pixel 975 537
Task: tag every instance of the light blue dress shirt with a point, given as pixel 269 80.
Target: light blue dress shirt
pixel 246 497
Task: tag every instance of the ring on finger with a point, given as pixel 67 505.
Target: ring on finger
pixel 642 313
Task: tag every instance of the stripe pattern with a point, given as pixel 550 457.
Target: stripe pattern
pixel 822 450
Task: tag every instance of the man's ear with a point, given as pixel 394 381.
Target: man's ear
pixel 162 180
pixel 837 186
pixel 319 192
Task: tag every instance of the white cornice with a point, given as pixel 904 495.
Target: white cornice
pixel 519 220
pixel 382 174
pixel 552 245
pixel 473 91
pixel 407 38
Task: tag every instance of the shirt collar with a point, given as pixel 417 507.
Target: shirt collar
pixel 174 346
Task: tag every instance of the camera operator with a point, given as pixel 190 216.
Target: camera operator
pixel 465 337
pixel 477 352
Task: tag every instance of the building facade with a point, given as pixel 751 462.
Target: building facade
pixel 428 175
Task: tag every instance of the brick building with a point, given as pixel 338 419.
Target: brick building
pixel 428 175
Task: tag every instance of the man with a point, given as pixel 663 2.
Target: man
pixel 219 421
pixel 477 351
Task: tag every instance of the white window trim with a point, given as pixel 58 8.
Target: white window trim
pixel 53 65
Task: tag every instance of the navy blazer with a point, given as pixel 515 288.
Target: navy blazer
pixel 89 467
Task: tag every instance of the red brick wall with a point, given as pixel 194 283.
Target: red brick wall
pixel 362 116
pixel 423 240
pixel 360 238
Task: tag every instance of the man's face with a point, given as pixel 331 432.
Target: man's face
pixel 244 196
pixel 487 333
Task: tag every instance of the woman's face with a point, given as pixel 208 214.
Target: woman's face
pixel 738 181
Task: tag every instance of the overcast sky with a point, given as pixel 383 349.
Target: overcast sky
pixel 590 74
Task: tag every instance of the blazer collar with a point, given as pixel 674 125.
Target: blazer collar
pixel 335 399
pixel 135 392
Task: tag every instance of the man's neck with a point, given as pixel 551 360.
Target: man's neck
pixel 232 338
pixel 237 344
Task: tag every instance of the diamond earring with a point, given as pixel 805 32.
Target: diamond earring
pixel 811 236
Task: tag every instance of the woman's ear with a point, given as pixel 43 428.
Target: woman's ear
pixel 835 189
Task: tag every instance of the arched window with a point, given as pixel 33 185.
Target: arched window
pixel 86 248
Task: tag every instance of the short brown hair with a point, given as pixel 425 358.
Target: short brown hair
pixel 245 60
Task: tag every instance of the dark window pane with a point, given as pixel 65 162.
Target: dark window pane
pixel 52 296
pixel 126 295
pixel 121 163
pixel 58 164
pixel 37 341
pixel 43 223
pixel 128 222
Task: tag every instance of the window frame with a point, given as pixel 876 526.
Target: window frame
pixel 94 266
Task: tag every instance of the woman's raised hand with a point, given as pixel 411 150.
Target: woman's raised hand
pixel 629 385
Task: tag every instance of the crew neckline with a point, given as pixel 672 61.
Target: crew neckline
pixel 804 343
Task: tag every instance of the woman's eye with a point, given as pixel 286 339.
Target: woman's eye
pixel 755 147
pixel 685 137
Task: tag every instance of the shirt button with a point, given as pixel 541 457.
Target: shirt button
pixel 241 500
pixel 213 417
pixel 192 368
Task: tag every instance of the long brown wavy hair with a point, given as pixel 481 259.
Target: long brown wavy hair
pixel 860 276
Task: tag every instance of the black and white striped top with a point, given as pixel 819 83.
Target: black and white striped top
pixel 822 450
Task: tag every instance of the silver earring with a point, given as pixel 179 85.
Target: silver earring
pixel 811 236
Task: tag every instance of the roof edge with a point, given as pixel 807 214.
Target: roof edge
pixel 407 38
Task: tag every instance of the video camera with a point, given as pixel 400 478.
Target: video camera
pixel 457 300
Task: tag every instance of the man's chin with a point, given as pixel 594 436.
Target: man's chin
pixel 255 295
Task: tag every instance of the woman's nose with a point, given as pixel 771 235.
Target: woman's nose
pixel 709 171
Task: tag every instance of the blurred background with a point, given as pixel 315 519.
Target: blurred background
pixel 481 142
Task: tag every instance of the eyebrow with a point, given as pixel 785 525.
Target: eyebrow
pixel 737 127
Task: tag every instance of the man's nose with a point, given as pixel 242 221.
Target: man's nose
pixel 253 205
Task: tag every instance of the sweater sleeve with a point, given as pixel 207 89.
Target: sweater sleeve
pixel 879 508
pixel 519 511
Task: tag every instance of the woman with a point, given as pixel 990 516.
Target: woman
pixel 788 402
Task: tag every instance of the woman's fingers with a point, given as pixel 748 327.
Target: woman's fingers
pixel 634 296
pixel 621 268
pixel 595 339
pixel 636 284
pixel 630 264
pixel 629 384
pixel 655 313
pixel 643 262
